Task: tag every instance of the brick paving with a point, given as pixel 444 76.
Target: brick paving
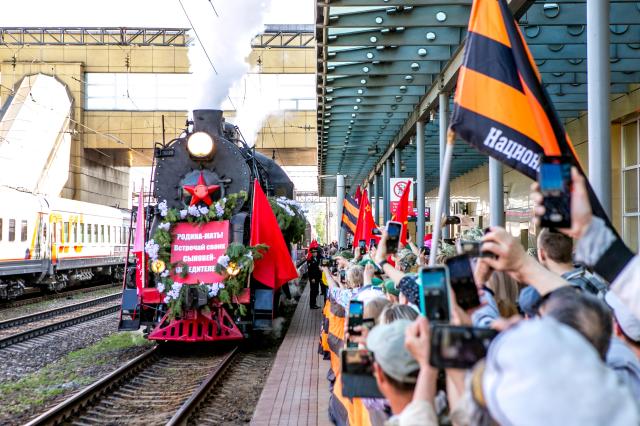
pixel 296 391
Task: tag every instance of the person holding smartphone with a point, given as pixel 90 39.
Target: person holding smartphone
pixel 315 277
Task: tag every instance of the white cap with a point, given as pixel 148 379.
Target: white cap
pixel 544 372
pixel 628 322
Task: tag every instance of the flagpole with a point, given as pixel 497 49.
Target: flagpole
pixel 144 224
pixel 442 193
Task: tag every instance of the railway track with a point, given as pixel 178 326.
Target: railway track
pixel 29 300
pixel 23 328
pixel 154 388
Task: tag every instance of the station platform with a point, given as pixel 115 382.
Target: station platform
pixel 297 391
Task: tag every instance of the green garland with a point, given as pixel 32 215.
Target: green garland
pixel 291 218
pixel 236 255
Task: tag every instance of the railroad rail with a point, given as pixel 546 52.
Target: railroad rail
pixel 46 297
pixel 148 377
pixel 30 333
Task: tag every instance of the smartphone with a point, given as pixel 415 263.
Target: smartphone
pixel 372 243
pixel 462 282
pixel 325 262
pixel 555 184
pixel 376 231
pixel 434 294
pixel 343 275
pixel 357 374
pixel 356 312
pixel 459 347
pixel 362 244
pixel 393 236
pixel 472 249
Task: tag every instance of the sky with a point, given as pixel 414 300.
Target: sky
pixel 130 13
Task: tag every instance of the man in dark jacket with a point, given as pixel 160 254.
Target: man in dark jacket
pixel 315 276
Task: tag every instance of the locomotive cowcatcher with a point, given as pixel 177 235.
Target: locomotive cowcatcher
pixel 195 174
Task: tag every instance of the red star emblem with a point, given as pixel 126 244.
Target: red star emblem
pixel 201 191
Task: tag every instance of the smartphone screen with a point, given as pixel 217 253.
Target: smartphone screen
pixel 393 238
pixel 555 185
pixel 372 242
pixel 356 311
pixel 357 374
pixel 343 275
pixel 434 297
pixel 462 282
pixel 459 347
pixel 362 244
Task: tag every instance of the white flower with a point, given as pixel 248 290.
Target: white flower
pixel 183 214
pixel 164 226
pixel 219 210
pixel 224 261
pixel 152 249
pixel 167 299
pixel 193 211
pixel 163 208
pixel 249 255
pixel 160 287
pixel 214 289
pixel 165 273
pixel 204 210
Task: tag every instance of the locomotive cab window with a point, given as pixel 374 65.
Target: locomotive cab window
pixel 23 230
pixel 12 229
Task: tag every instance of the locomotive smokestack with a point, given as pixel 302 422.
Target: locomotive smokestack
pixel 208 120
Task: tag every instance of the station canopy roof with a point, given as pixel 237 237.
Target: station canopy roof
pixel 381 64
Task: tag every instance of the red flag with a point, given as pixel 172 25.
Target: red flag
pixel 138 244
pixel 402 213
pixel 276 267
pixel 358 195
pixel 365 221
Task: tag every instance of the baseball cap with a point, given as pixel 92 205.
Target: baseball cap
pixel 346 254
pixel 529 301
pixel 377 282
pixel 544 372
pixel 386 341
pixel 390 287
pixel 409 287
pixel 628 322
pixel 365 262
pixel 407 258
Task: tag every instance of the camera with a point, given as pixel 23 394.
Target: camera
pixel 357 374
pixel 555 184
pixel 459 347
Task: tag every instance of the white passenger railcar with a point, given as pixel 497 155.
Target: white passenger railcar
pixel 55 242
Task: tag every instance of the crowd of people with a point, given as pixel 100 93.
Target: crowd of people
pixel 567 349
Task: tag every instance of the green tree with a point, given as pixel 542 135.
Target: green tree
pixel 320 227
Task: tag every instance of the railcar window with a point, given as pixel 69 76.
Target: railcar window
pixel 75 232
pixel 12 229
pixel 108 233
pixel 23 230
pixel 65 230
pixel 95 233
pixel 102 233
pixel 89 233
pixel 0 229
pixel 82 232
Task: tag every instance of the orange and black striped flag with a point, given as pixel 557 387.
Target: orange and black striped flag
pixel 350 213
pixel 501 106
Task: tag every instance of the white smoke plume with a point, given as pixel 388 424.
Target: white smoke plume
pixel 225 29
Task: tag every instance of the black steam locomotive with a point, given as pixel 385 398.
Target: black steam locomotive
pixel 211 155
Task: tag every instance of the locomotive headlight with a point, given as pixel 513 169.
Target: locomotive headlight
pixel 200 145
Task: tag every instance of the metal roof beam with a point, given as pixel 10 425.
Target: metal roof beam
pixel 376 81
pixel 409 37
pixel 580 65
pixel 374 100
pixel 396 53
pixel 364 92
pixel 579 51
pixel 581 77
pixel 419 16
pixel 539 34
pixel 575 13
pixel 385 3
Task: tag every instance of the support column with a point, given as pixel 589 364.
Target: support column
pixel 496 193
pixel 376 198
pixel 443 117
pixel 386 184
pixel 396 163
pixel 420 182
pixel 339 205
pixel 598 88
pixel 370 192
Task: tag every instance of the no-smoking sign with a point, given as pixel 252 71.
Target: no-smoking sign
pixel 397 189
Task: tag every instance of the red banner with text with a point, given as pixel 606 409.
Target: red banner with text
pixel 199 246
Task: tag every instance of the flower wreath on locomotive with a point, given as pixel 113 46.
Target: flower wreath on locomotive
pixel 193 279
